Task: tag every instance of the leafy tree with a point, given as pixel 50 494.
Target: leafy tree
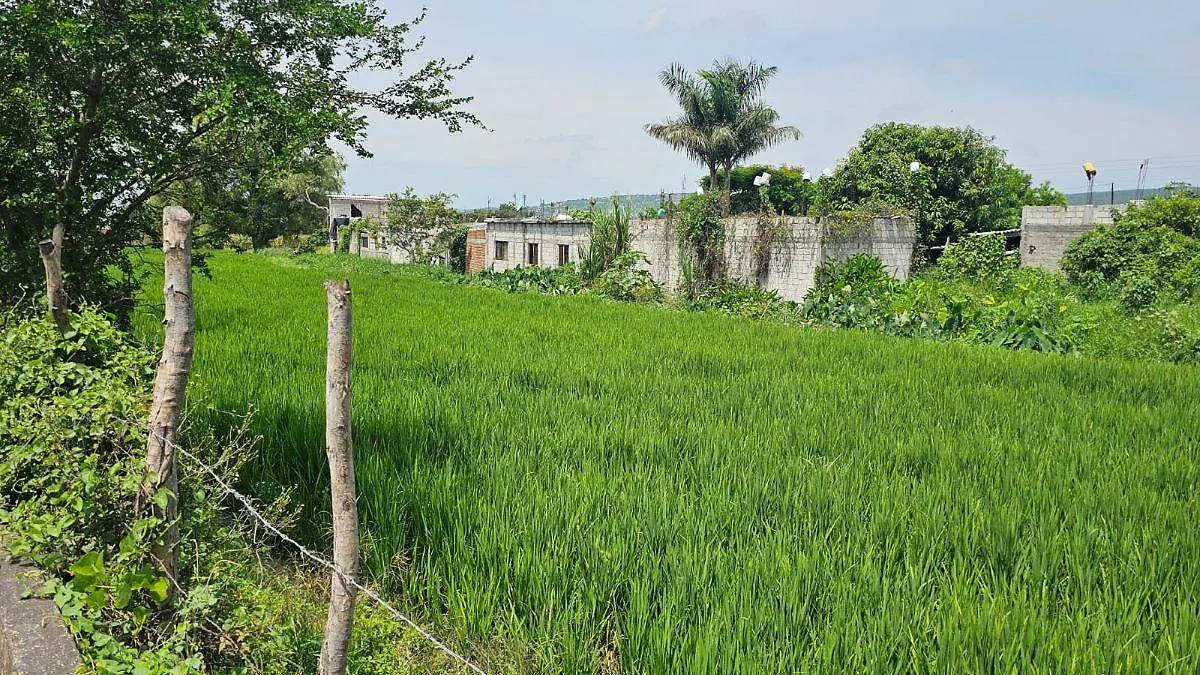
pixel 1044 194
pixel 413 223
pixel 787 193
pixel 257 203
pixel 961 183
pixel 109 103
pixel 723 120
pixel 1178 210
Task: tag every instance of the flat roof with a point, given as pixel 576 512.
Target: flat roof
pixel 361 198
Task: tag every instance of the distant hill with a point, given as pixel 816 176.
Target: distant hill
pixel 640 202
pixel 1102 197
pixel 637 203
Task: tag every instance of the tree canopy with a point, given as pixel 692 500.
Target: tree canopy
pixel 787 193
pixel 952 180
pixel 416 224
pixel 723 119
pixel 108 103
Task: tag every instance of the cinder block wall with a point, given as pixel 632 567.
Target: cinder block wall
pixel 1047 230
pixel 783 259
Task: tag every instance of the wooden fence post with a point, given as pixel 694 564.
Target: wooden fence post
pixel 169 384
pixel 340 451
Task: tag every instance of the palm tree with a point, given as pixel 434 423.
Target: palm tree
pixel 724 120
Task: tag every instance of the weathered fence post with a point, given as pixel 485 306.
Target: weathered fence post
pixel 169 385
pixel 56 297
pixel 340 450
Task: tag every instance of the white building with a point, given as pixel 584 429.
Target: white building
pixel 345 210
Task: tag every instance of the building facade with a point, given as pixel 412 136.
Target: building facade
pixel 347 210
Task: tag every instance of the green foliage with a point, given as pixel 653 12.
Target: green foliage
pixel 107 105
pixel 700 231
pixel 255 200
pixel 607 487
pixel 964 183
pixel 723 120
pixel 1178 210
pixel 976 258
pixel 608 240
pixel 454 242
pixel 853 293
pixel 624 280
pixel 69 470
pixel 419 225
pixel 788 194
pixel 1044 194
pixel 738 299
pixel 563 280
pixel 1144 257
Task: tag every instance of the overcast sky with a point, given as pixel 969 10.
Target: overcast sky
pixel 566 88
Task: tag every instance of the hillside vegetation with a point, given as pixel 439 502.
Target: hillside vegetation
pixel 606 487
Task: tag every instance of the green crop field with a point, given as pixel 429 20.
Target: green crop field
pixel 571 485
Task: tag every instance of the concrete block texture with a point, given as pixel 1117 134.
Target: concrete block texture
pixel 780 254
pixel 1046 231
pixel 33 638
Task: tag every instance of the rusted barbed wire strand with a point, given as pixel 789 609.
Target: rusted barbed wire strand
pixel 253 511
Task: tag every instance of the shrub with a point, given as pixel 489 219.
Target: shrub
pixel 852 293
pixel 701 233
pixel 1131 258
pixel 609 239
pixel 70 448
pixel 563 280
pixel 1179 210
pixel 976 258
pixel 623 280
pixel 68 475
pixel 740 299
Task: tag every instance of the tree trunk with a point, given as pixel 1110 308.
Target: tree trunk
pixel 169 385
pixel 340 451
pixel 56 296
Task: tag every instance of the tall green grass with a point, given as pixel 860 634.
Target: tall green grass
pixel 606 487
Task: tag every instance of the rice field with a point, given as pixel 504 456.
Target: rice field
pixel 570 485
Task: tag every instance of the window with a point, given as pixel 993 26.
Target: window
pixel 531 254
pixel 355 212
pixel 364 241
pixel 564 254
pixel 501 250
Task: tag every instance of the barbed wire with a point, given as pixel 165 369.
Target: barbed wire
pixel 253 511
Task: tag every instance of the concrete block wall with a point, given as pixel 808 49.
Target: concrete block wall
pixel 890 239
pixel 1046 231
pixel 797 247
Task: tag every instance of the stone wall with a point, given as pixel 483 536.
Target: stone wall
pixel 33 638
pixel 1047 230
pixel 780 255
